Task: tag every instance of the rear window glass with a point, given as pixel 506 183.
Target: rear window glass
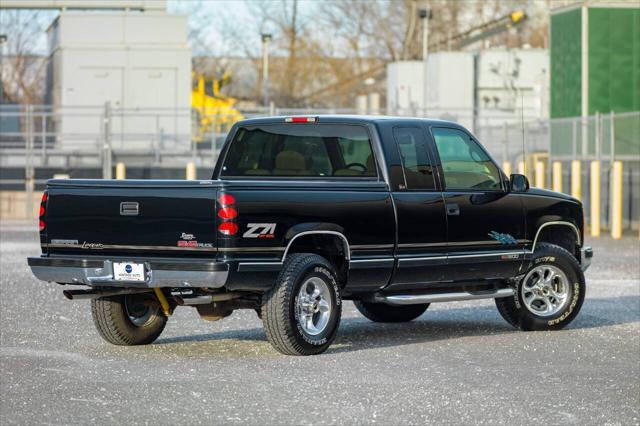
pixel 301 150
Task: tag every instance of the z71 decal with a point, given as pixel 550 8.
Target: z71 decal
pixel 260 230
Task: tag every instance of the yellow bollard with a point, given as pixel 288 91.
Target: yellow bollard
pixel 616 200
pixel 595 199
pixel 520 167
pixel 557 176
pixel 539 177
pixel 506 168
pixel 191 171
pixel 121 171
pixel 576 179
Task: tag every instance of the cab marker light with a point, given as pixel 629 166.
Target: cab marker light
pixel 300 119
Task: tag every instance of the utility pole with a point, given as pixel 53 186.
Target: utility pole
pixel 424 15
pixel 266 40
pixel 107 159
pixel 3 41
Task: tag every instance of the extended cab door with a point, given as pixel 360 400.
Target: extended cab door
pixel 422 239
pixel 485 222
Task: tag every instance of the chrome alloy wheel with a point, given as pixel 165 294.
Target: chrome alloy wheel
pixel 140 308
pixel 314 306
pixel 545 290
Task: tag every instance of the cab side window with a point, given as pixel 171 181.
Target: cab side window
pixel 465 164
pixel 418 173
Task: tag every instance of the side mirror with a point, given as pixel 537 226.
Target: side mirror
pixel 519 183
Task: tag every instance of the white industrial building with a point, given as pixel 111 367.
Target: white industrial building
pixel 131 60
pixel 483 88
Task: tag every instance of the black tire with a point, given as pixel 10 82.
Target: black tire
pixel 381 312
pixel 112 318
pixel 514 310
pixel 280 312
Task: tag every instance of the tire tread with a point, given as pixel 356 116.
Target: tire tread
pixel 109 319
pixel 275 306
pixel 506 306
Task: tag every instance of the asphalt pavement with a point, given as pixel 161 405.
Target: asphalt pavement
pixel 459 363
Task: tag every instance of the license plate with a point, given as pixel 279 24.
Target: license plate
pixel 128 271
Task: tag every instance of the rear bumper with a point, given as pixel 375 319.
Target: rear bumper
pixel 586 254
pixel 158 272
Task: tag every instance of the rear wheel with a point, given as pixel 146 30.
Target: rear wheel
pixel 301 313
pixel 131 319
pixel 381 312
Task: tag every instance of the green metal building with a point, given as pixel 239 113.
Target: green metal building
pixel 595 71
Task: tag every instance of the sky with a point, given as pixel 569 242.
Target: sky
pixel 217 12
pixel 215 17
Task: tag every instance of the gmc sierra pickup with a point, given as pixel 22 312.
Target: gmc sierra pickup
pixel 302 213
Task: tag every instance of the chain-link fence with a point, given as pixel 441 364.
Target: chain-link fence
pixel 39 142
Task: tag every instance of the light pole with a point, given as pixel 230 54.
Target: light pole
pixel 425 15
pixel 3 41
pixel 266 39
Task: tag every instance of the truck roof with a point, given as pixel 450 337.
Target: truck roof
pixel 337 118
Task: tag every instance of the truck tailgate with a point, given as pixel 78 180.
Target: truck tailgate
pixel 170 218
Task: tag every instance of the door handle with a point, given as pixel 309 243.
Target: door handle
pixel 453 210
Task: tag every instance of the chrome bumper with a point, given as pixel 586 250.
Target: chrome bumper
pixel 158 272
pixel 586 254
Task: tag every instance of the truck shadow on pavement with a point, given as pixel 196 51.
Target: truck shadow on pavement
pixel 443 324
pixel 358 333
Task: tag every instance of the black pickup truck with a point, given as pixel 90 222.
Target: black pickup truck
pixel 302 213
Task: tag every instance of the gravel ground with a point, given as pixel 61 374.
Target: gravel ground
pixel 458 363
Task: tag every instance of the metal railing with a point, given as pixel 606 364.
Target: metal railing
pixel 39 141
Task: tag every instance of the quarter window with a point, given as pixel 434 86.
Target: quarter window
pixel 418 173
pixel 465 164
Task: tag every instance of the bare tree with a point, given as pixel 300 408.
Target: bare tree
pixel 324 53
pixel 23 70
pixel 292 42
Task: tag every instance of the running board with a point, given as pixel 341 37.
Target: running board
pixel 414 299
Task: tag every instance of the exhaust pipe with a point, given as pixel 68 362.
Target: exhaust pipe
pixel 193 300
pixel 92 294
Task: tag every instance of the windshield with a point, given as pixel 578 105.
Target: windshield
pixel 295 150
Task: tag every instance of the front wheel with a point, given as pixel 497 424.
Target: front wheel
pixel 551 293
pixel 131 319
pixel 301 313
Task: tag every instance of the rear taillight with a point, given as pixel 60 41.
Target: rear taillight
pixel 226 199
pixel 228 213
pixel 228 228
pixel 43 211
